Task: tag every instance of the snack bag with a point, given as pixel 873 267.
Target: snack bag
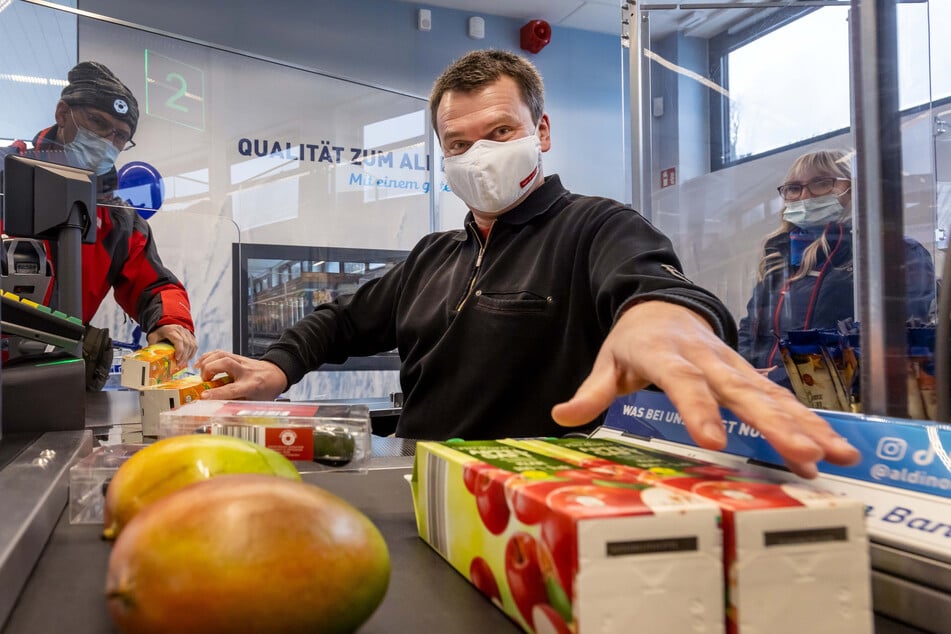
pixel 843 364
pixel 810 370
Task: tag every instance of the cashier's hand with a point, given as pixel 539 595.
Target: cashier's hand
pixel 180 337
pixel 251 379
pixel 676 349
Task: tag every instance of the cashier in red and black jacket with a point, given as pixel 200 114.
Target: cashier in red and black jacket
pixel 96 119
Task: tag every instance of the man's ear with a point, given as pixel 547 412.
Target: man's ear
pixel 544 133
pixel 62 113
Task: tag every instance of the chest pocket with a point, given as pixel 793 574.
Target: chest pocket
pixel 512 303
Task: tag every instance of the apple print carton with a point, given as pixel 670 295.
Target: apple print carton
pixel 562 550
pixel 149 366
pixel 795 557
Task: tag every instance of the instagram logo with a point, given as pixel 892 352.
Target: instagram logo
pixel 890 448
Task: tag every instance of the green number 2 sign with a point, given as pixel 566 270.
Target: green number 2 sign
pixel 172 102
pixel 174 90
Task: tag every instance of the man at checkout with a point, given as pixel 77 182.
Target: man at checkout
pixel 96 119
pixel 542 310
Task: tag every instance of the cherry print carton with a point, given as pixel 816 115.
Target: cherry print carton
pixel 795 556
pixel 561 549
pixel 149 366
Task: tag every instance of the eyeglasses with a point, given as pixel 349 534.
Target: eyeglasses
pixel 102 127
pixel 816 187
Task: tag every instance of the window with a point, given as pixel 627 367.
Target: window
pixel 787 78
pixel 788 82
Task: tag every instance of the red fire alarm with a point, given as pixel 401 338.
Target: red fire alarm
pixel 535 36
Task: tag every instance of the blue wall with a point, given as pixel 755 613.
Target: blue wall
pixel 377 42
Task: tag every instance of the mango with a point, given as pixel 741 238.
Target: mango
pixel 171 463
pixel 247 553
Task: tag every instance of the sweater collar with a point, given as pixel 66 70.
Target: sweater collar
pixel 537 203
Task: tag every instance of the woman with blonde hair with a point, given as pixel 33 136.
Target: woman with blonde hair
pixel 804 279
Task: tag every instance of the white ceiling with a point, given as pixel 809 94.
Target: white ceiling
pixel 603 16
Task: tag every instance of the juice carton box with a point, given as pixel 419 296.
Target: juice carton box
pixel 149 366
pixel 172 394
pixel 559 548
pixel 795 557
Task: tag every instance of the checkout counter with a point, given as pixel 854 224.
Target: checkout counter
pixel 52 573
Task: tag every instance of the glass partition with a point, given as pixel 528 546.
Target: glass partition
pixel 233 152
pixel 729 98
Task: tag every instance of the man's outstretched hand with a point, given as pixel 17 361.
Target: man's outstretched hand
pixel 675 349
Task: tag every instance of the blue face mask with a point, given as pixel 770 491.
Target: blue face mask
pixel 813 212
pixel 92 152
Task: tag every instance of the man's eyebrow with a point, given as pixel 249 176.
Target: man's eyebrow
pixel 450 135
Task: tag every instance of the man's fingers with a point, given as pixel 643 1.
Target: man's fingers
pixel 698 410
pixel 222 364
pixel 224 393
pixel 595 395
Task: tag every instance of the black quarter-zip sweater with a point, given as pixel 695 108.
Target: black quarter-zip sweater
pixel 493 333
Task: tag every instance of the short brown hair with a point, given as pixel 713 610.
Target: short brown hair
pixel 478 68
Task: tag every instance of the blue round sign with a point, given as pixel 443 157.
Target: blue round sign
pixel 141 187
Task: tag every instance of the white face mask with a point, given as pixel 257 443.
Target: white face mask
pixel 92 152
pixel 491 176
pixel 813 212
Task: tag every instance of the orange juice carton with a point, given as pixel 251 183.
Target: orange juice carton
pixel 796 557
pixel 149 366
pixel 334 436
pixel 560 548
pixel 172 394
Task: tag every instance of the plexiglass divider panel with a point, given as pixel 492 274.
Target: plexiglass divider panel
pixel 732 96
pixel 243 151
pixel 292 156
pixel 293 159
pixel 204 270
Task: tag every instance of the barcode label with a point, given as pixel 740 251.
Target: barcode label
pixel 806 536
pixel 437 470
pixel 253 433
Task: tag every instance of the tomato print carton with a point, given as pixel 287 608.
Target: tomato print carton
pixel 562 549
pixel 172 394
pixel 795 556
pixel 149 366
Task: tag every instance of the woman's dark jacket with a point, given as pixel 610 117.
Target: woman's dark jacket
pixel 823 298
